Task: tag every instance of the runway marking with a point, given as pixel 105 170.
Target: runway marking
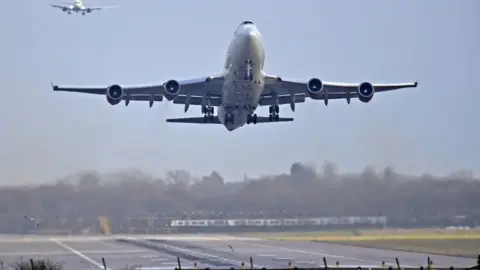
pixel 81 255
pixel 211 256
pixel 284 259
pixel 309 262
pixel 43 253
pixel 159 259
pixel 316 253
pixel 266 255
pixel 154 268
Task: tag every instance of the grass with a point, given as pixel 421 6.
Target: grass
pixel 33 264
pixel 436 241
pixel 454 247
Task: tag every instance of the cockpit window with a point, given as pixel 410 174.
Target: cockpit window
pixel 247 22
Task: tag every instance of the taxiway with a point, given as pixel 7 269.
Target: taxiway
pixel 213 251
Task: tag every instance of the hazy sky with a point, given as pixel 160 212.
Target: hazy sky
pixel 433 128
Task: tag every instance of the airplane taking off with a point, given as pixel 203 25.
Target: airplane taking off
pixel 78 6
pixel 240 89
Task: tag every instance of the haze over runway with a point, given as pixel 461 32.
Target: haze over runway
pixel 430 129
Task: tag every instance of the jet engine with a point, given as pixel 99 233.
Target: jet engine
pixel 365 92
pixel 314 86
pixel 114 94
pixel 172 88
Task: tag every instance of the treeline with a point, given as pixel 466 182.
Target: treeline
pixel 422 200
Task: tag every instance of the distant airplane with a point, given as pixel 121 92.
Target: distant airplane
pixel 78 6
pixel 239 89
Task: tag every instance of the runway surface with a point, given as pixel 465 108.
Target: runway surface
pixel 214 251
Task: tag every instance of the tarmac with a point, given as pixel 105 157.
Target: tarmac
pixel 213 251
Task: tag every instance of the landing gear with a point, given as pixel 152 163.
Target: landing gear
pixel 228 118
pixel 274 111
pixel 208 114
pixel 252 118
pixel 83 13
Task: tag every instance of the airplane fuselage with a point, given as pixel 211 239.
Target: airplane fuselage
pixel 243 79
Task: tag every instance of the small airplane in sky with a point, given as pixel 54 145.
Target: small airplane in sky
pixel 239 89
pixel 78 6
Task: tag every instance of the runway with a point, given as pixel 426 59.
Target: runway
pixel 213 251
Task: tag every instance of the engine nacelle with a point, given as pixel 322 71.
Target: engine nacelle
pixel 114 94
pixel 315 87
pixel 172 88
pixel 365 92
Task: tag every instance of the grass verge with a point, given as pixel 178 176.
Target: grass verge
pixel 435 241
pixel 32 264
pixel 453 247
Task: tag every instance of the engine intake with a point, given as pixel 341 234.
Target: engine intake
pixel 172 87
pixel 315 85
pixel 114 94
pixel 365 92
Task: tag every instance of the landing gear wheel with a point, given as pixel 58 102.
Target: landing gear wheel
pixel 277 117
pixel 211 110
pixel 205 119
pixel 270 118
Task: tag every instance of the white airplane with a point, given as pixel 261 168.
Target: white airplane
pixel 78 6
pixel 239 90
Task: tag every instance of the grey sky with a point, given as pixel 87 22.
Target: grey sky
pixel 433 128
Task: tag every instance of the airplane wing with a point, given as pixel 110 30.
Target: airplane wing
pixel 60 6
pixel 317 89
pixel 216 120
pixel 99 8
pixel 185 92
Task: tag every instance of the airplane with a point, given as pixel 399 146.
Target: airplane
pixel 78 6
pixel 239 89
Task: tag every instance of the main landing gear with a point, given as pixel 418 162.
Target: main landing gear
pixel 208 114
pixel 274 111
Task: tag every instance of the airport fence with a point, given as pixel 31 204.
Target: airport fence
pixel 429 264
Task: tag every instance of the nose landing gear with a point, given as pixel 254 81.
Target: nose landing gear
pixel 252 118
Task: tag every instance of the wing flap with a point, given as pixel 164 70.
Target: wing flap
pixel 196 100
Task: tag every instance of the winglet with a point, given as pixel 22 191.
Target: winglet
pixel 54 87
pixel 416 83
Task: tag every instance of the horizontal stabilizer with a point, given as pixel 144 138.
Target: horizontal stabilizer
pixel 194 120
pixel 263 119
pixel 215 120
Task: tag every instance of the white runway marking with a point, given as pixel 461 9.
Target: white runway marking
pixel 310 262
pixel 170 263
pixel 154 268
pixel 286 259
pixel 81 255
pixel 266 255
pixel 159 259
pixel 45 253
